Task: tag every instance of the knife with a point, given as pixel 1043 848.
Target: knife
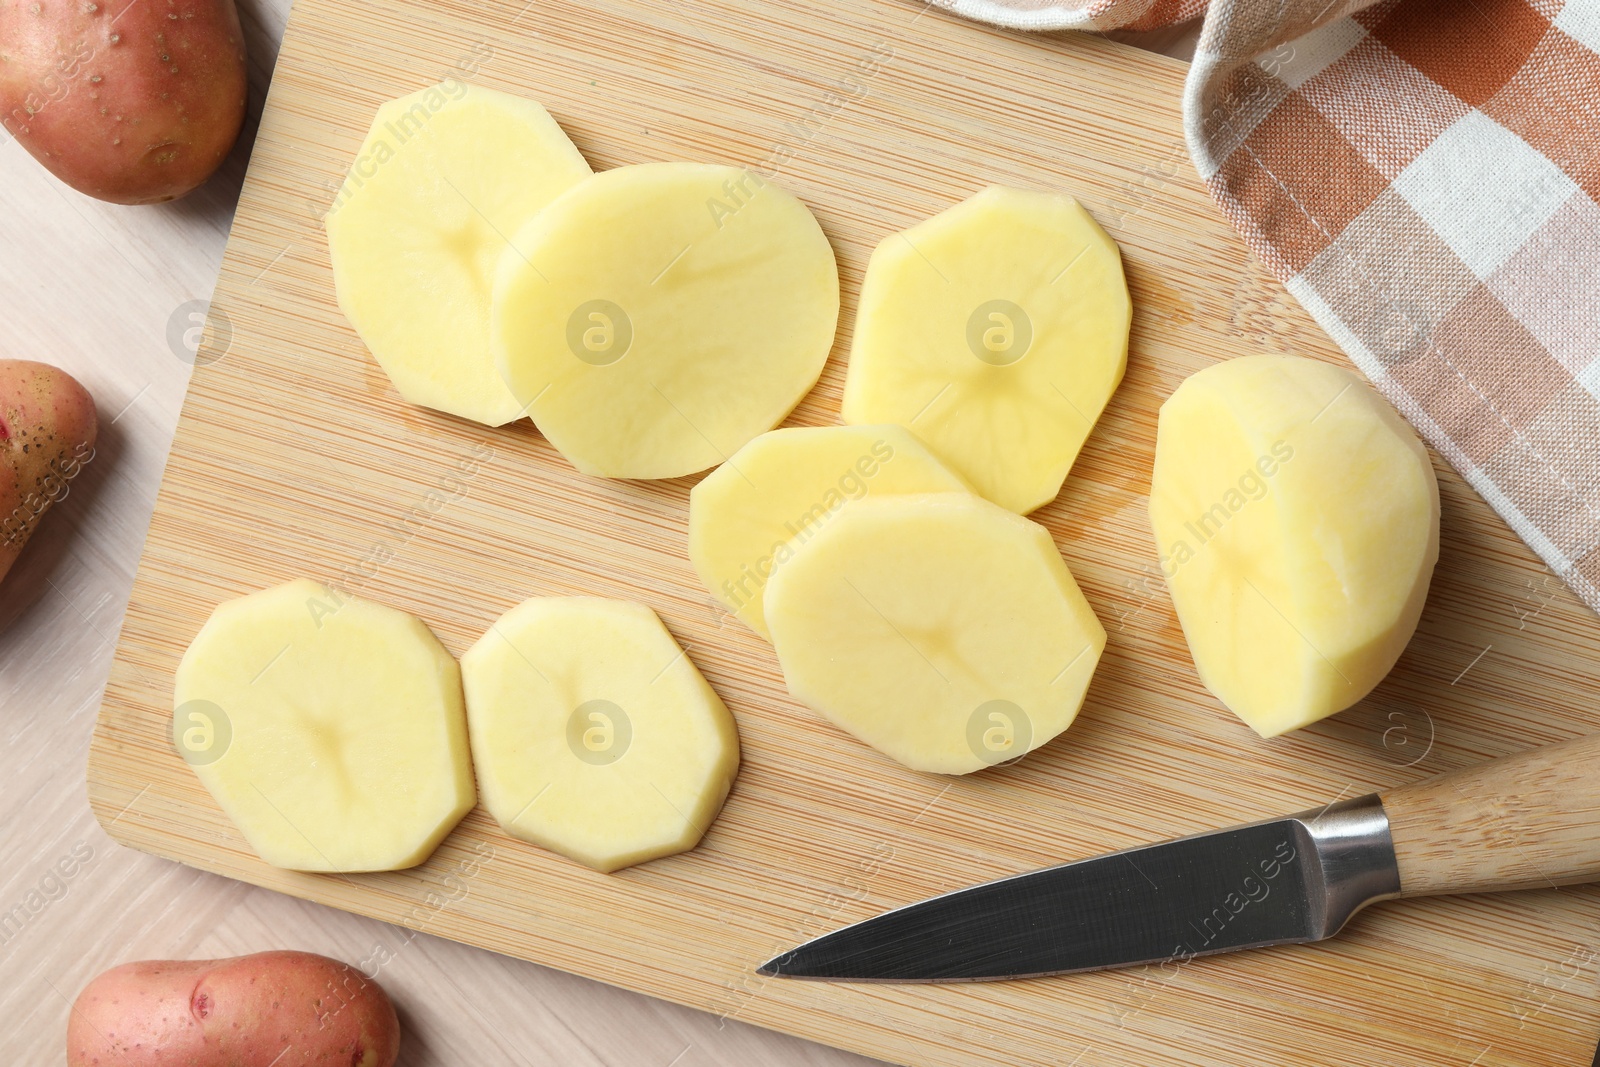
pixel 1522 821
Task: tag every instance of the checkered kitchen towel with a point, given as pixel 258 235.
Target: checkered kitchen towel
pixel 1423 175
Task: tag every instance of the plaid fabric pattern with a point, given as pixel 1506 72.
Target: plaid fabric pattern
pixel 1423 175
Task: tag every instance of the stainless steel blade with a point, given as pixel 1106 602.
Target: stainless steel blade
pixel 1287 880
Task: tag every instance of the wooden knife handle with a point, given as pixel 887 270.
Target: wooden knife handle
pixel 1521 821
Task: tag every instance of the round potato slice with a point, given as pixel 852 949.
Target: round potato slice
pixel 942 630
pixel 657 317
pixel 754 512
pixel 1297 518
pixel 329 728
pixel 443 178
pixel 996 330
pixel 593 734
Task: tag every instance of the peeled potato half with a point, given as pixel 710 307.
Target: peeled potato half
pixel 1297 518
pixel 657 317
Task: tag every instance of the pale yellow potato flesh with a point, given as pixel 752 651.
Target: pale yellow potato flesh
pixel 415 234
pixel 593 734
pixel 942 630
pixel 657 317
pixel 997 331
pixel 1297 519
pixel 329 728
pixel 752 514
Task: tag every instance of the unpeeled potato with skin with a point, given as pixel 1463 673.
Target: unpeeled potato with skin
pixel 132 103
pixel 270 1009
pixel 47 434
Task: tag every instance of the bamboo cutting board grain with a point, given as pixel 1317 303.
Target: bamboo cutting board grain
pixel 294 457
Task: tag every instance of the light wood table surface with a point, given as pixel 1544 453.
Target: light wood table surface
pixel 103 291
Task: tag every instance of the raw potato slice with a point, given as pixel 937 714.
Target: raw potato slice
pixel 782 488
pixel 1297 519
pixel 329 728
pixel 942 630
pixel 997 331
pixel 418 227
pixel 593 734
pixel 657 317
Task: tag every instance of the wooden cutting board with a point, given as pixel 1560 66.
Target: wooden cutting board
pixel 294 457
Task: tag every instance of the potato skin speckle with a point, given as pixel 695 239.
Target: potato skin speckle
pixel 47 435
pixel 283 1009
pixel 155 68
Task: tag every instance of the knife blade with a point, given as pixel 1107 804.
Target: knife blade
pixel 1516 822
pixel 1268 883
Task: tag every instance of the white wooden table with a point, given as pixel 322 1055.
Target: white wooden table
pixel 97 289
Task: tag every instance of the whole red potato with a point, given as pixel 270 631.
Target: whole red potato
pixel 272 1009
pixel 131 101
pixel 47 433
